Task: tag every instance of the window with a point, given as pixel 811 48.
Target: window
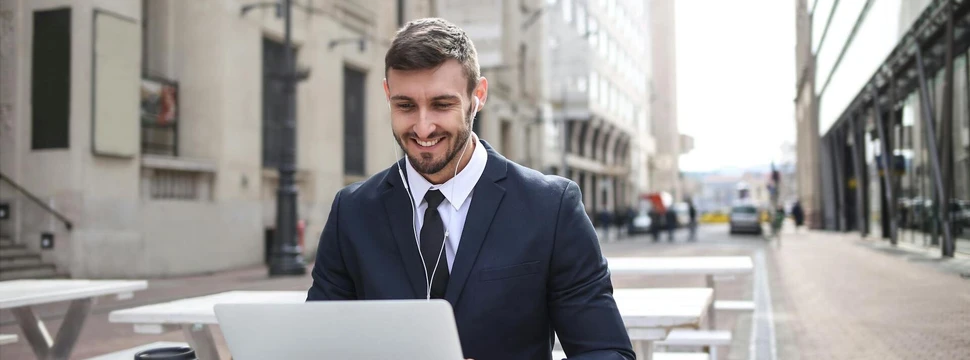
pixel 523 55
pixel 593 29
pixel 506 129
pixel 581 84
pixel 354 137
pixel 401 19
pixel 593 86
pixel 604 92
pixel 604 42
pixel 50 87
pixel 274 104
pixel 580 20
pixel 567 11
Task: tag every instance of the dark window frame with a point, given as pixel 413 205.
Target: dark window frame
pixel 45 83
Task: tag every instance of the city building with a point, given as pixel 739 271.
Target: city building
pixel 508 40
pixel 141 138
pixel 883 119
pixel 670 143
pixel 597 132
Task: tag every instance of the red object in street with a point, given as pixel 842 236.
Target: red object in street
pixel 660 201
pixel 300 230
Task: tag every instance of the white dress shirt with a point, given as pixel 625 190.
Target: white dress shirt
pixel 458 196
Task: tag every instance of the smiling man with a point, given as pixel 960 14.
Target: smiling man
pixel 510 248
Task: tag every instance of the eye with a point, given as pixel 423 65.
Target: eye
pixel 443 106
pixel 404 106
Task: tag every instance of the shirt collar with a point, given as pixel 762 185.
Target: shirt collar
pixel 458 188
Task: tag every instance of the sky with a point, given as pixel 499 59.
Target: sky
pixel 735 81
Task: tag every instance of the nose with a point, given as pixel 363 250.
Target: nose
pixel 425 126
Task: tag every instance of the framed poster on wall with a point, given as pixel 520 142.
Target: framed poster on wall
pixel 115 75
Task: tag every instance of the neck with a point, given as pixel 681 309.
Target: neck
pixel 449 172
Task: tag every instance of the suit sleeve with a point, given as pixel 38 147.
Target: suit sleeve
pixel 583 311
pixel 331 281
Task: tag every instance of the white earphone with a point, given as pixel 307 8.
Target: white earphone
pixel 417 242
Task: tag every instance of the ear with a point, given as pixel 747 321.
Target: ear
pixel 481 93
pixel 387 92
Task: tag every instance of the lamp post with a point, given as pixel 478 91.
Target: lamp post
pixel 286 256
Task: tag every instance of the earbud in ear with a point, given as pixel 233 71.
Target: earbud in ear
pixel 477 102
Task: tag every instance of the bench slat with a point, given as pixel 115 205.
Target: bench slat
pixel 8 339
pixel 684 337
pixel 729 305
pixel 680 356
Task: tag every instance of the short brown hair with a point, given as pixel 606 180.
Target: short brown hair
pixel 427 43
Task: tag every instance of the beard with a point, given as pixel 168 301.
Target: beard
pixel 426 165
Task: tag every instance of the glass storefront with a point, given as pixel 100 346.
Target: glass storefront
pixel 919 217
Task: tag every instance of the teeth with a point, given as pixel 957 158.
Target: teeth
pixel 427 143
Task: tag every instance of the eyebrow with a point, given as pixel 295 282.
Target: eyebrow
pixel 436 98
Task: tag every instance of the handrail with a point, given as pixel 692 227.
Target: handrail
pixel 67 222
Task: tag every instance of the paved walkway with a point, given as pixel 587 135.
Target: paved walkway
pixel 837 297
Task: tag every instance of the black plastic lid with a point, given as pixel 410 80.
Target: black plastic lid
pixel 168 353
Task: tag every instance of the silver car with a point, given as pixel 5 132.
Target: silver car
pixel 745 218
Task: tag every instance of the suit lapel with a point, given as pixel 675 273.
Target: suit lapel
pixel 399 213
pixel 485 202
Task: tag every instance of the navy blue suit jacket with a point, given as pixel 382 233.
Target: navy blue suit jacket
pixel 528 264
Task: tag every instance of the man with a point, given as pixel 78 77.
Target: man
pixel 692 214
pixel 512 250
pixel 799 214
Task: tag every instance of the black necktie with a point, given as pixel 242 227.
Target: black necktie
pixel 432 244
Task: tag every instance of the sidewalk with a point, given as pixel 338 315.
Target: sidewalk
pixel 838 297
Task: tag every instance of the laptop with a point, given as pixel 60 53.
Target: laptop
pixel 371 329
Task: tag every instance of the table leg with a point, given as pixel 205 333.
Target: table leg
pixel 643 349
pixel 710 308
pixel 40 340
pixel 34 331
pixel 71 327
pixel 201 341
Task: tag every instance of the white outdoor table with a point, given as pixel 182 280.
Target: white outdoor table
pixel 650 314
pixel 21 295
pixel 195 315
pixel 709 266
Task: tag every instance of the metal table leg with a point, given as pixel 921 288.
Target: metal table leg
pixel 710 308
pixel 40 340
pixel 201 341
pixel 643 349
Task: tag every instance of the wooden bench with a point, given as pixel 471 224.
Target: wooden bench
pixel 128 354
pixel 559 355
pixel 701 338
pixel 7 339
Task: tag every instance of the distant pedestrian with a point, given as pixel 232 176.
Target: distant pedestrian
pixel 799 214
pixel 656 221
pixel 692 226
pixel 671 218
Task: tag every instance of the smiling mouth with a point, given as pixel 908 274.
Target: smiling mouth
pixel 428 143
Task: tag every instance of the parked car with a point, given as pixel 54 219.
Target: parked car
pixel 745 218
pixel 640 224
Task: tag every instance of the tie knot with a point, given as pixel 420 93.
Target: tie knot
pixel 434 198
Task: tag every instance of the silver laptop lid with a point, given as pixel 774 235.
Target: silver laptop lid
pixel 377 329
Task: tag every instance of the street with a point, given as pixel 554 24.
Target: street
pixel 818 296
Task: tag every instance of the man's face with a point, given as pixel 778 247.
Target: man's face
pixel 430 114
